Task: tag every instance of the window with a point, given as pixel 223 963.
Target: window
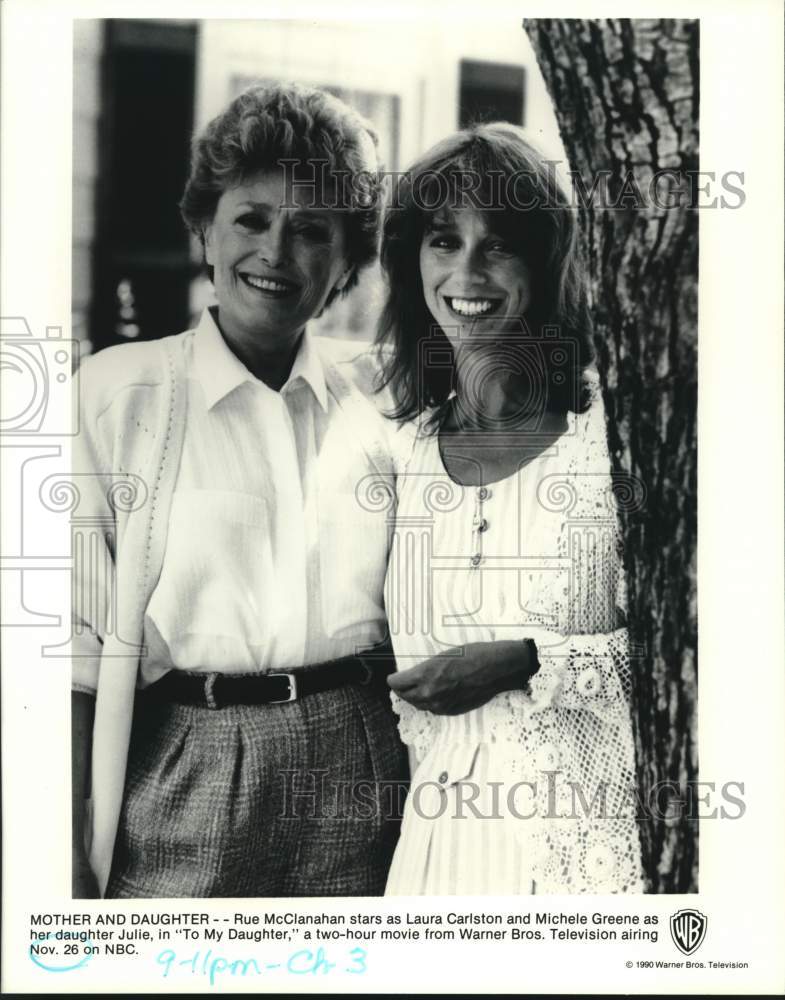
pixel 491 92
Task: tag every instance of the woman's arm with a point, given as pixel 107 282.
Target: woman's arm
pixel 466 677
pixel 83 881
pixel 589 672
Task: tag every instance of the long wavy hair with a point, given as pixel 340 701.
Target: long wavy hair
pixel 494 169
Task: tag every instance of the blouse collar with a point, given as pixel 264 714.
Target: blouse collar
pixel 220 371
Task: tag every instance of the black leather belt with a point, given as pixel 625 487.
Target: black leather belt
pixel 274 688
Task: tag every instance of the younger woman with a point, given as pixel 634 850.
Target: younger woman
pixel 504 583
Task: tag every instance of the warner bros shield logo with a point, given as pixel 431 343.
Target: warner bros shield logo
pixel 688 929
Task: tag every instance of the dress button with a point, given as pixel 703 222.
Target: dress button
pixel 476 559
pixel 547 758
pixel 443 777
pixel 483 525
pixel 483 493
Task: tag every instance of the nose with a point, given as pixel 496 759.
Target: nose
pixel 470 267
pixel 271 248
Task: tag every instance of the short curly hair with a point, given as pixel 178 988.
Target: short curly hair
pixel 319 138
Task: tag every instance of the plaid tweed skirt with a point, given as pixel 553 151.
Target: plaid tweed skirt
pixel 297 799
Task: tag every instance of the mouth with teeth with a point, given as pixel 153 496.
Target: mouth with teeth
pixel 472 307
pixel 277 288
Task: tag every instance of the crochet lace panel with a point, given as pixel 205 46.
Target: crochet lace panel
pixel 569 736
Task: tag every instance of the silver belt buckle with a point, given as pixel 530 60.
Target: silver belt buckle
pixel 209 696
pixel 292 696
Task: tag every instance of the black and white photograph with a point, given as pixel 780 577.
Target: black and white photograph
pixel 364 511
pixel 384 445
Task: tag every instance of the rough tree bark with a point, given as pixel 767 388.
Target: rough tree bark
pixel 626 98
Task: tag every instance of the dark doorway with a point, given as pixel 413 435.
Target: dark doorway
pixel 142 263
pixel 491 92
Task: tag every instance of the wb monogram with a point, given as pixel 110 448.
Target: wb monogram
pixel 688 929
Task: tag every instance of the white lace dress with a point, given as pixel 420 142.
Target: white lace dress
pixel 534 791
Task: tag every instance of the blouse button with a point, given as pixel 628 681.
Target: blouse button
pixel 547 758
pixel 483 493
pixel 443 777
pixel 476 559
pixel 483 525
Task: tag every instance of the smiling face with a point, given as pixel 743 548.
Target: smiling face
pixel 275 262
pixel 470 274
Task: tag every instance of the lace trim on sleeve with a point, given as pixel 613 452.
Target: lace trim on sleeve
pixel 569 742
pixel 586 672
pixel 416 727
pixel 570 735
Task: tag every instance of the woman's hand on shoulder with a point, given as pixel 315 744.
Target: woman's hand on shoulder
pixel 466 677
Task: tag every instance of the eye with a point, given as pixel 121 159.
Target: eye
pixel 315 232
pixel 251 221
pixel 500 247
pixel 443 241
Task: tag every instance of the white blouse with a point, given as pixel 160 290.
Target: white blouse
pixel 271 561
pixel 533 555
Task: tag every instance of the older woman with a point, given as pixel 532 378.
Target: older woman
pixel 220 692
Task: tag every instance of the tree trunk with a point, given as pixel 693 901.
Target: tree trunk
pixel 626 98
